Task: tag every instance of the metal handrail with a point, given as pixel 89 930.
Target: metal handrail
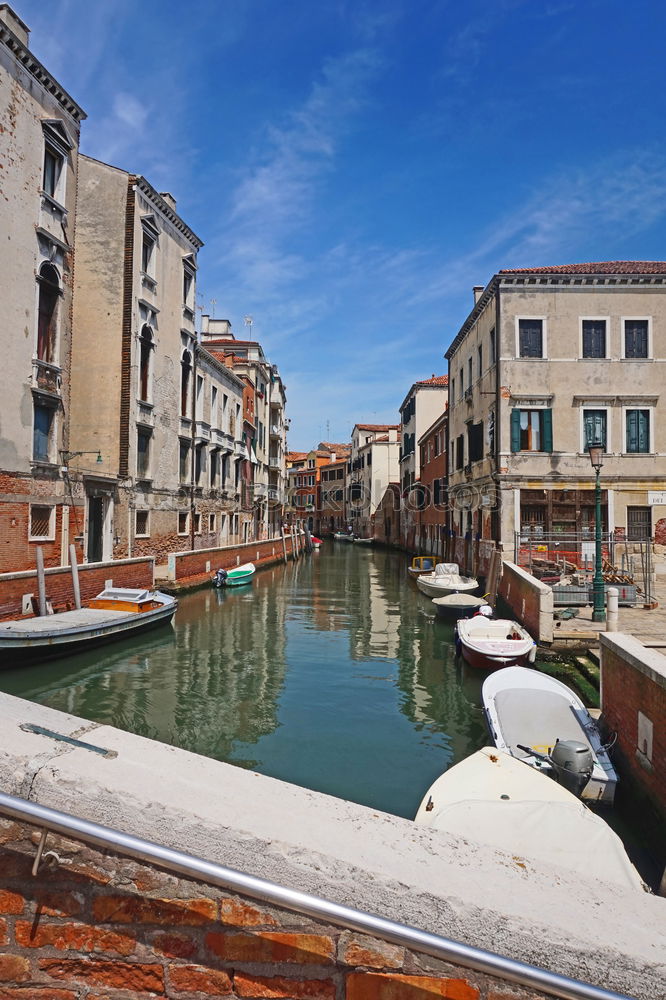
pixel 301 902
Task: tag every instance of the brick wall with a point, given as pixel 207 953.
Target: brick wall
pixel 530 601
pixel 59 590
pixel 190 568
pixel 633 680
pixel 94 926
pixel 17 551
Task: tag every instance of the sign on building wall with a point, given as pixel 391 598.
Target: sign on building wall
pixel 657 498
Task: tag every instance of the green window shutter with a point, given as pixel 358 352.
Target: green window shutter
pixel 632 430
pixel 547 430
pixel 515 430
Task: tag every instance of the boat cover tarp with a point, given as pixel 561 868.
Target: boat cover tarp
pixel 536 719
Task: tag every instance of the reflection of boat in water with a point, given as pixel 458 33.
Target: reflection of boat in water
pixel 364 541
pixel 116 613
pixel 497 800
pixel 490 643
pixel 529 713
pixel 340 536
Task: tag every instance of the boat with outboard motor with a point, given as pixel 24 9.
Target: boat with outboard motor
pixel 499 801
pixel 235 577
pixel 538 719
pixel 423 564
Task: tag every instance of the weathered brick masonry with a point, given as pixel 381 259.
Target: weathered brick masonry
pixel 59 589
pixel 188 569
pixel 95 926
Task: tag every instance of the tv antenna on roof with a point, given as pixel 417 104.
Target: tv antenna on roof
pixel 213 303
pixel 247 320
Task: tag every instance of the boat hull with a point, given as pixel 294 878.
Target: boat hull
pixel 489 644
pixel 25 646
pixel 433 586
pixel 476 658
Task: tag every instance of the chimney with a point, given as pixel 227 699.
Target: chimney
pixel 169 199
pixel 14 23
pixel 478 292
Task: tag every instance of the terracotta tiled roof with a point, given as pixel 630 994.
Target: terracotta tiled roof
pixel 598 267
pixel 296 456
pixel 378 427
pixel 339 449
pixel 435 380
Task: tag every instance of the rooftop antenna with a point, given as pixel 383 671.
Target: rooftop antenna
pixel 247 320
pixel 328 429
pixel 213 303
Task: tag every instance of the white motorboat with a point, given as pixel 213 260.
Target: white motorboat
pixel 457 605
pixel 341 536
pixel 529 714
pixel 491 643
pixel 116 613
pixel 364 541
pixel 497 800
pixel 445 579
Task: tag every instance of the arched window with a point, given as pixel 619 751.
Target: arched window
pixel 146 348
pixel 49 293
pixel 185 372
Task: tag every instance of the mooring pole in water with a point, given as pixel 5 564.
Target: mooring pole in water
pixel 75 576
pixel 308 539
pixel 41 583
pixel 284 544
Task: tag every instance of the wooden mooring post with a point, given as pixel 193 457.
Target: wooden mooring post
pixel 41 582
pixel 75 576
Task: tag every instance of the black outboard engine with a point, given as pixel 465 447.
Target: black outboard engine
pixel 220 577
pixel 573 763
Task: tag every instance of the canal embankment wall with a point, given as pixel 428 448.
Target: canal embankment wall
pixel 94 924
pixel 633 703
pixel 529 599
pixel 17 589
pixel 195 567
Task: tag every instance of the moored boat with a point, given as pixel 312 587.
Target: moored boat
pixel 364 541
pixel 235 577
pixel 457 605
pixel 529 714
pixel 445 579
pixel 491 643
pixel 423 564
pixel 116 613
pixel 497 800
pixel 341 536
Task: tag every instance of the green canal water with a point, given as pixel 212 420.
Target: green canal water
pixel 332 672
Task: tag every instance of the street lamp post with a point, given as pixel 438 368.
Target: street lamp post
pixel 596 452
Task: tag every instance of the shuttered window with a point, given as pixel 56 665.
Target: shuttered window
pixel 638 430
pixel 594 338
pixel 530 338
pixel 594 428
pixel 636 338
pixel 532 430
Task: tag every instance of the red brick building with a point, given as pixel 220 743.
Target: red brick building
pixel 431 517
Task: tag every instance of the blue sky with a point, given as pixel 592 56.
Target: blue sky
pixel 355 167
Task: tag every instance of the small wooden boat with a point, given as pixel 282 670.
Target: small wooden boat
pixel 341 536
pixel 528 713
pixel 423 564
pixel 445 579
pixel 116 613
pixel 235 577
pixel 496 800
pixel 364 541
pixel 316 542
pixel 491 643
pixel 457 605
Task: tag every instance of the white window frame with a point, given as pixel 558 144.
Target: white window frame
pixel 609 424
pixel 637 406
pixel 51 535
pixel 544 337
pixel 146 533
pixel 594 319
pixel 213 405
pixel 212 523
pixel 148 433
pixel 186 530
pixel 650 354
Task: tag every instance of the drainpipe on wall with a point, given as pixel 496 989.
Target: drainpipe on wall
pixel 193 406
pixel 498 424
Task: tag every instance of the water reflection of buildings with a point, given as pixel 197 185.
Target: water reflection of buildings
pixel 214 681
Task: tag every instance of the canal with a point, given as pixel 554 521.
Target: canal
pixel 332 672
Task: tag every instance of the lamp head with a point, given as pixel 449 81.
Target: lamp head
pixel 596 453
pixel 99 458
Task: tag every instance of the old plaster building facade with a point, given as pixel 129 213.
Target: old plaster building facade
pixel 38 180
pixel 373 464
pixel 548 360
pixel 139 397
pixel 424 403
